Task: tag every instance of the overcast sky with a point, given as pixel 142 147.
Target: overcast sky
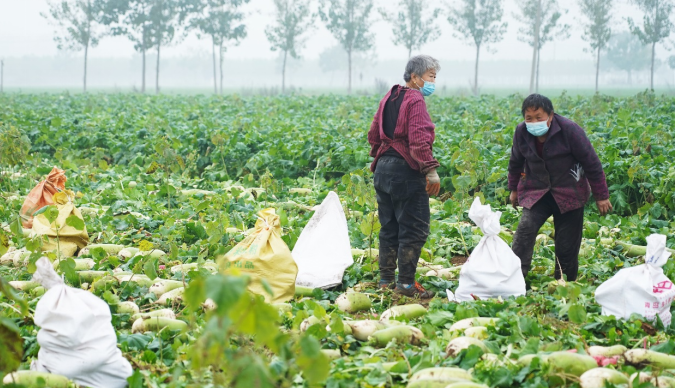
pixel 23 32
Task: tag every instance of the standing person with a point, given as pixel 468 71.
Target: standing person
pixel 401 138
pixel 552 164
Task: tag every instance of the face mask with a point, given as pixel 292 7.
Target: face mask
pixel 428 88
pixel 537 129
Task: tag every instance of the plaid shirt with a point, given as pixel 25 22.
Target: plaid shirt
pixel 414 134
pixel 570 167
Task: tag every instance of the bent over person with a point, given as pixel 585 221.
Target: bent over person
pixel 553 169
pixel 401 138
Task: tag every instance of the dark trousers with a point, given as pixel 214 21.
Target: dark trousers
pixel 568 233
pixel 403 207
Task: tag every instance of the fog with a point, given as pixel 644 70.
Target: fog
pixel 32 60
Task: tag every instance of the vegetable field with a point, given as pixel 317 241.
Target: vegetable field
pixel 180 181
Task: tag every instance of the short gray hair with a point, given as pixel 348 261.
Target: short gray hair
pixel 419 65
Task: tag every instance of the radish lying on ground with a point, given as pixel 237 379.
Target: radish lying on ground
pixel 656 381
pixel 127 308
pixel 110 249
pixel 361 330
pixel 142 325
pixel 470 322
pixel 403 334
pixel 441 375
pixel 409 311
pixel 29 378
pixel 161 287
pixel 352 302
pixel 607 351
pixel 642 357
pixel 596 378
pixel 175 295
pixel 460 343
pixel 163 313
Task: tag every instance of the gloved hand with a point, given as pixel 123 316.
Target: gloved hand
pixel 433 183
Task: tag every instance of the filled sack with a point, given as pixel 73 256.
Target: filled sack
pixel 61 233
pixel 42 195
pixel 493 269
pixel 76 336
pixel 643 289
pixel 263 255
pixel 323 251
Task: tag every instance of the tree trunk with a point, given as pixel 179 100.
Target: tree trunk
pixel 349 59
pixel 651 78
pixel 630 77
pixel 159 46
pixel 215 76
pixel 86 52
pixel 536 88
pixel 283 74
pixel 143 73
pixel 221 69
pixel 2 74
pixel 597 71
pixel 475 74
pixel 535 46
pixel 409 52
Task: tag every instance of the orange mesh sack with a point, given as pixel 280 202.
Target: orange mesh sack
pixel 42 195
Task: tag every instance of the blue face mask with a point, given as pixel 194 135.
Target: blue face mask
pixel 428 89
pixel 537 129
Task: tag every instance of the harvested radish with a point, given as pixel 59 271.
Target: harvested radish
pixel 127 308
pixel 24 285
pixel 161 287
pixel 642 357
pixel 352 302
pixel 163 313
pixel 477 332
pixel 447 375
pixel 607 351
pixel 409 311
pixel 175 295
pixel 141 325
pixel 460 343
pixel 402 334
pixel 29 378
pixel 469 322
pixel 361 330
pixel 597 377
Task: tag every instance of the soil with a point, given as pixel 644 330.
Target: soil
pixel 458 260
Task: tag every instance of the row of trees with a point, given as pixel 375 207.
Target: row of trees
pixel 154 24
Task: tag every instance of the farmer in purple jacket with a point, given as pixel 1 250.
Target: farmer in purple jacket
pixel 552 164
pixel 401 138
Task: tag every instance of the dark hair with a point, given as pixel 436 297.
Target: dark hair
pixel 536 101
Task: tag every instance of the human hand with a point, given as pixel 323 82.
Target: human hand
pixel 433 183
pixel 513 198
pixel 604 207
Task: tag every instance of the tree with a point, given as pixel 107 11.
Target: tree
pixel 292 21
pixel 348 21
pixel 627 53
pixel 656 26
pixel 597 30
pixel 541 26
pixel 413 27
pixel 131 18
pixel 220 20
pixel 78 26
pixel 164 23
pixel 671 64
pixel 478 22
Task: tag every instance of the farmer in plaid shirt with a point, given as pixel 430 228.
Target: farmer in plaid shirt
pixel 401 138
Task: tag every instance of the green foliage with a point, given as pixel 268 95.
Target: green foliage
pixel 246 154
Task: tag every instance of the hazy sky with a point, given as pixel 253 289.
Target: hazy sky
pixel 23 32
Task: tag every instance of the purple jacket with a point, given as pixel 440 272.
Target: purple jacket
pixel 570 163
